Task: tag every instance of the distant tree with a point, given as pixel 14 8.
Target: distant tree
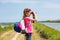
pixel 48 20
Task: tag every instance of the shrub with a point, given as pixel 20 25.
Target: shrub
pixel 44 34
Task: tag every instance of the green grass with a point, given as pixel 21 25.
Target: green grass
pixel 6 28
pixel 47 32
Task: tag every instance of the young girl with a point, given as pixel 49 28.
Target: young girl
pixel 28 22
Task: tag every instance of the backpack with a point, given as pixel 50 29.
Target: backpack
pixel 20 27
pixel 16 27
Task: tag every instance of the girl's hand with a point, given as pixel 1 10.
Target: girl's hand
pixel 34 17
pixel 32 13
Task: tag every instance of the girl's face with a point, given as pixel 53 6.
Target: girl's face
pixel 28 14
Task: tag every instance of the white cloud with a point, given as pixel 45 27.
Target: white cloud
pixel 51 5
pixel 18 1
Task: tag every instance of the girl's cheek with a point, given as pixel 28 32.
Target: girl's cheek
pixel 26 14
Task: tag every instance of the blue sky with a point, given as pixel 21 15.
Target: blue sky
pixel 12 10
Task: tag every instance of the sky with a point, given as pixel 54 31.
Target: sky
pixel 12 10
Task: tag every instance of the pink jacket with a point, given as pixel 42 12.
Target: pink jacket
pixel 28 25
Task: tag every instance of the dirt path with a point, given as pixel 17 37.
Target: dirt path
pixel 15 37
pixel 36 36
pixel 5 33
pixel 12 35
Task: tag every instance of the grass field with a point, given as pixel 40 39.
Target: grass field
pixel 8 33
pixel 6 28
pixel 47 32
pixel 42 30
